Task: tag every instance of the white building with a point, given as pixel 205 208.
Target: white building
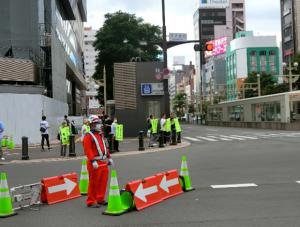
pixel 90 64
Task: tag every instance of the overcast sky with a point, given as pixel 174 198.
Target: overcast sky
pixel 262 16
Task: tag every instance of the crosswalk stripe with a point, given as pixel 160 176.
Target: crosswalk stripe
pixel 246 137
pixel 206 138
pixel 232 137
pixel 234 185
pixel 224 139
pixel 192 139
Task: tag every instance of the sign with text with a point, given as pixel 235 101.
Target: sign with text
pixel 148 89
pixel 178 37
pixel 213 3
pixel 219 47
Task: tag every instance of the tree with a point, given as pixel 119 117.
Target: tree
pixel 122 37
pixel 179 104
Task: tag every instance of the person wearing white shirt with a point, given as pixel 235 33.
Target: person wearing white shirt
pixel 44 126
pixel 163 127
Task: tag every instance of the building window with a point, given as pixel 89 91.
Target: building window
pixel 253 64
pixel 236 113
pixel 272 61
pixel 263 61
pixel 266 112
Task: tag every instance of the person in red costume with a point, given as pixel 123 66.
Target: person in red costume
pixel 98 157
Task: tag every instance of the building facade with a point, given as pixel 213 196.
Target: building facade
pixel 290 28
pixel 249 54
pixel 90 54
pixel 215 20
pixel 48 35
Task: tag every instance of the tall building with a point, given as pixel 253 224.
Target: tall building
pixel 90 54
pixel 215 20
pixel 44 39
pixel 290 28
pixel 249 54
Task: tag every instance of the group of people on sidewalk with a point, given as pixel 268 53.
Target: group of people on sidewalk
pixel 166 125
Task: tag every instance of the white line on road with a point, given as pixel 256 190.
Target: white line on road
pixel 246 137
pixel 192 139
pixel 232 137
pixel 298 182
pixel 207 139
pixel 234 185
pixel 215 137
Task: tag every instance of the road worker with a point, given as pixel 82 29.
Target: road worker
pixel 98 157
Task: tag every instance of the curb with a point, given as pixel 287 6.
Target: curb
pixel 127 153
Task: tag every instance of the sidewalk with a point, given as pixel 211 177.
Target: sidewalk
pixel 128 145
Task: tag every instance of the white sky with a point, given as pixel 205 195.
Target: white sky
pixel 262 17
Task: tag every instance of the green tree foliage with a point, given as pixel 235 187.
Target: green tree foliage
pixel 179 104
pixel 268 84
pixel 139 37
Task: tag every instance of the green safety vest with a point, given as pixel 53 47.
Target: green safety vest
pixel 64 135
pixel 168 125
pixel 154 124
pixel 177 125
pixel 119 132
pixel 86 129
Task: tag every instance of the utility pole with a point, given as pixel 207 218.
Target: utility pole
pixel 165 55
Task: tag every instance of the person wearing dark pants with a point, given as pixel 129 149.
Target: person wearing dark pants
pixel 44 126
pixel 113 135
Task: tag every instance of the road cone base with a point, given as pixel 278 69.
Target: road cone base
pixel 115 213
pixel 7 215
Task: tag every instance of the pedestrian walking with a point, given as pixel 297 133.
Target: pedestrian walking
pixel 98 157
pixel 64 132
pixel 44 126
pixel 115 142
pixel 1 137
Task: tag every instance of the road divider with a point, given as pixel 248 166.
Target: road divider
pixel 59 188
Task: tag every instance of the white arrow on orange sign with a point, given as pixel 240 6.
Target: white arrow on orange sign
pixel 165 184
pixel 141 192
pixel 67 186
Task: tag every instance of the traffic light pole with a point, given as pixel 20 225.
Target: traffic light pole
pixel 165 55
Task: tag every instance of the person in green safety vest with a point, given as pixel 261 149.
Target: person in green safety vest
pixel 64 132
pixel 152 129
pixel 172 120
pixel 85 128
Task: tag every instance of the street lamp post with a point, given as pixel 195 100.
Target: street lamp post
pixel 258 85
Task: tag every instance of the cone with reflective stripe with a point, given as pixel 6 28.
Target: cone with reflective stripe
pixel 84 178
pixel 6 209
pixel 184 176
pixel 115 206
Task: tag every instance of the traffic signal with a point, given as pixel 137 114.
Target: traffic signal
pixel 204 47
pixel 197 47
pixel 209 47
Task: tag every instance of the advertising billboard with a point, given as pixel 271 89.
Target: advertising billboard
pixel 213 3
pixel 220 46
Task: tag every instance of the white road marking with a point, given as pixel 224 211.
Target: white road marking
pixel 234 185
pixel 207 139
pixel 246 137
pixel 298 182
pixel 192 139
pixel 224 139
pixel 232 137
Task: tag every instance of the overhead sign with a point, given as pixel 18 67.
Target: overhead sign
pixel 179 37
pixel 148 89
pixel 219 47
pixel 213 3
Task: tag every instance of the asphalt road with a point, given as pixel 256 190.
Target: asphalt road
pixel 268 160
